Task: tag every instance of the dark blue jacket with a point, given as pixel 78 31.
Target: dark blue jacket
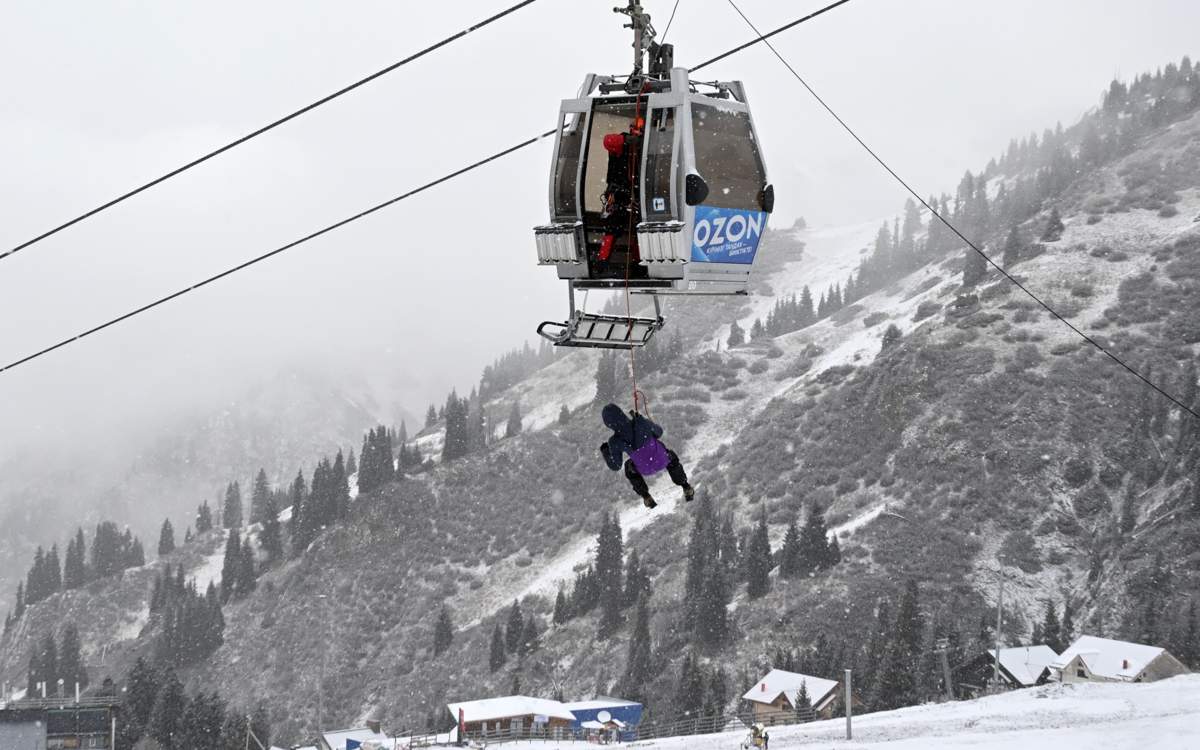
pixel 628 434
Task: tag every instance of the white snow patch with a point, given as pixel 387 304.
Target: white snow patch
pixel 209 571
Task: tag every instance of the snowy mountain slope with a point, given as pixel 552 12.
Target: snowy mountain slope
pixel 996 443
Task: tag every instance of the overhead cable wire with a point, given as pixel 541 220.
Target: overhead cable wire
pixel 278 250
pixel 313 235
pixel 1017 283
pixel 670 21
pixel 268 127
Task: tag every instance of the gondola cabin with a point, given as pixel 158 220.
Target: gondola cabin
pixel 659 190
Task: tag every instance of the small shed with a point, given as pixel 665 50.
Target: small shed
pixel 605 709
pixel 351 739
pixel 1093 659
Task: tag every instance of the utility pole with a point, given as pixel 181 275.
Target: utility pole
pixel 999 622
pixel 849 706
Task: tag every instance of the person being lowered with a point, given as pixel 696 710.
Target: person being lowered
pixel 639 437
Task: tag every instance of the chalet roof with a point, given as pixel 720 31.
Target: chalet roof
pixel 1025 663
pixel 1115 660
pixel 510 706
pixel 778 681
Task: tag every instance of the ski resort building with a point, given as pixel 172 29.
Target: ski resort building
pixel 49 725
pixel 1093 659
pixel 1020 667
pixel 774 697
pixel 512 714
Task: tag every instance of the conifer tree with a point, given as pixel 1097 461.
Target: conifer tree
pixel 231 514
pixel 457 443
pixel 166 539
pixel 1188 648
pixel 443 632
pixel 247 570
pixel 758 560
pixel 560 608
pixel 1054 227
pixel 974 267
pixel 74 567
pixel 70 661
pixel 141 692
pixel 804 710
pixel 516 627
pixel 637 581
pixel 271 537
pixel 789 553
pixel 530 636
pixel 169 707
pixel 497 656
pixel 814 543
pixel 299 530
pixel 204 519
pixel 340 488
pixel 737 336
pixel 639 670
pixel 757 330
pixel 1012 248
pixel 351 464
pixel 204 724
pixel 513 428
pixel 259 497
pixel 606 378
pixel 689 690
pixel 1067 629
pixel 1052 629
pixel 609 564
pixel 564 415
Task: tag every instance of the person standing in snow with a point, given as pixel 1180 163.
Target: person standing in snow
pixel 638 436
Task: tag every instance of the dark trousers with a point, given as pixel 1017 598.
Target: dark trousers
pixel 674 468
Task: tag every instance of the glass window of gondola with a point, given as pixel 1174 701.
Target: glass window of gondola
pixel 566 169
pixel 727 157
pixel 660 147
pixel 607 118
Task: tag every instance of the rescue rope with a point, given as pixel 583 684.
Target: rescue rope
pixel 632 156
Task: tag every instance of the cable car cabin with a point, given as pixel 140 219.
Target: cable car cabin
pixel 660 192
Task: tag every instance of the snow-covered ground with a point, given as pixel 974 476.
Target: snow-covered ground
pixel 1155 716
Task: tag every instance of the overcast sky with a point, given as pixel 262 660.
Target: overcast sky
pixel 99 97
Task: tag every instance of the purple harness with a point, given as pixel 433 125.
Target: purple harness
pixel 651 458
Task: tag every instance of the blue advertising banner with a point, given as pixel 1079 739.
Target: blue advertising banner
pixel 726 235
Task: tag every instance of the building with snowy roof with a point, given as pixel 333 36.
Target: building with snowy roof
pixel 1093 659
pixel 775 696
pixel 513 714
pixel 370 736
pixel 606 710
pixel 1020 667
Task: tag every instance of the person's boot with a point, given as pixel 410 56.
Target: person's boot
pixel 689 493
pixel 648 501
